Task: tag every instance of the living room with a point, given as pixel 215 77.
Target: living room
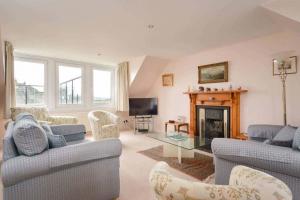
pixel 150 100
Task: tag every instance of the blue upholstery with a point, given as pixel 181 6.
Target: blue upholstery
pixel 29 137
pixel 296 141
pixel 281 162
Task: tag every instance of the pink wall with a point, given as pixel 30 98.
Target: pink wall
pixel 250 66
pixel 2 82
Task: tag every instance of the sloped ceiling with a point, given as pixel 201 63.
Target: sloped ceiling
pixel 287 8
pixel 148 73
pixel 117 29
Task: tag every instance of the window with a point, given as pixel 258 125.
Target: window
pixel 29 87
pixel 69 84
pixel 102 86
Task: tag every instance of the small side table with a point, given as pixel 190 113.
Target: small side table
pixel 177 126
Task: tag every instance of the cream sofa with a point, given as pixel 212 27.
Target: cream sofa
pixel 245 184
pixel 42 115
pixel 104 124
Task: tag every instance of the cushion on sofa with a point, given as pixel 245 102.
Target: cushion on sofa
pixel 9 147
pixel 284 137
pixel 55 141
pixel 29 136
pixel 261 132
pixel 296 141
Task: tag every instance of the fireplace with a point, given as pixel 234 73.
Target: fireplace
pixel 211 122
pixel 202 104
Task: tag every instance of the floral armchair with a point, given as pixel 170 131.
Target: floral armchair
pixel 42 115
pixel 104 124
pixel 245 184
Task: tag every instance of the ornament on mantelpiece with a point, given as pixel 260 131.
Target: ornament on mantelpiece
pixel 201 89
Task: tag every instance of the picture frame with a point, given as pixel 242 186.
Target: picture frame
pixel 167 80
pixel 213 73
pixel 291 70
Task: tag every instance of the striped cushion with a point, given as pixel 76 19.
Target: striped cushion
pixel 29 136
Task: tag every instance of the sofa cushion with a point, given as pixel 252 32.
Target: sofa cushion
pixel 29 136
pixel 9 147
pixel 296 141
pixel 55 141
pixel 284 137
pixel 261 132
pixel 71 133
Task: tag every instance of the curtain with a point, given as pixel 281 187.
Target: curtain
pixel 123 87
pixel 10 96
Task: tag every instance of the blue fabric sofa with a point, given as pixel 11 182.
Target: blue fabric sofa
pixel 281 162
pixel 80 170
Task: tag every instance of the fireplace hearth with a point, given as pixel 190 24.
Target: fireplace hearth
pixel 212 122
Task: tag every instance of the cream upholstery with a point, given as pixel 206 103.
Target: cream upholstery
pixel 104 124
pixel 42 115
pixel 245 184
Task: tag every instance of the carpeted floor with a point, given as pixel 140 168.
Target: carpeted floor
pixel 135 167
pixel 197 165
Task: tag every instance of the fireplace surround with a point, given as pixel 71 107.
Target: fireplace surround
pixel 225 98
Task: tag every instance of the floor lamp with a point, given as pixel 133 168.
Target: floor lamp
pixel 282 67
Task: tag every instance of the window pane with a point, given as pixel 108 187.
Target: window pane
pixel 69 85
pixel 29 88
pixel 102 86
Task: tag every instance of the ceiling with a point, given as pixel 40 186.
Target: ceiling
pixel 118 29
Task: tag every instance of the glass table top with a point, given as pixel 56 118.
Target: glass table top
pixel 179 139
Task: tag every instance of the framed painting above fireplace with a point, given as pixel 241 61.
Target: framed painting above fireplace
pixel 213 73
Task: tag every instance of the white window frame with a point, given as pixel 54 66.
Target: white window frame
pixel 83 76
pixel 112 82
pixel 40 61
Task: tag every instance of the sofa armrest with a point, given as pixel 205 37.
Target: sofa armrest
pixel 114 118
pixel 258 155
pixel 22 168
pixel 84 152
pixel 262 132
pixel 62 120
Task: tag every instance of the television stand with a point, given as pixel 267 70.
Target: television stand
pixel 143 124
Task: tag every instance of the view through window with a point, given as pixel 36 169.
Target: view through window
pixel 102 86
pixel 69 85
pixel 29 87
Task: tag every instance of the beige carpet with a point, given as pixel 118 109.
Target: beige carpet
pixel 135 167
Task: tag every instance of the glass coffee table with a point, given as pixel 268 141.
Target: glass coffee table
pixel 176 144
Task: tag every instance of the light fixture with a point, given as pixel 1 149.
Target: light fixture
pixel 284 64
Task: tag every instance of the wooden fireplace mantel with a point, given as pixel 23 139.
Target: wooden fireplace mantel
pixel 229 98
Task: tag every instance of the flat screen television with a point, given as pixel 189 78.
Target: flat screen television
pixel 142 106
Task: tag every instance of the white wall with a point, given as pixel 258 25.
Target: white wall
pixel 250 66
